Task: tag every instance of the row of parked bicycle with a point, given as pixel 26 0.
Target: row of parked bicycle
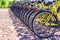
pixel 41 18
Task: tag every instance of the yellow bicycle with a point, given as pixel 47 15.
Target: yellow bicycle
pixel 47 20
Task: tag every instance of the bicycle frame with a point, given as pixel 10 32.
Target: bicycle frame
pixel 55 13
pixel 52 8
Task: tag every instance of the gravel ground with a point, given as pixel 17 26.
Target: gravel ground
pixel 11 28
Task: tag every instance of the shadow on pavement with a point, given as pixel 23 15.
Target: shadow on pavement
pixel 23 31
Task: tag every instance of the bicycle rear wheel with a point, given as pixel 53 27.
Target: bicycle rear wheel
pixel 30 18
pixel 39 28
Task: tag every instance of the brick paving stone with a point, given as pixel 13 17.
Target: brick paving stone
pixel 11 28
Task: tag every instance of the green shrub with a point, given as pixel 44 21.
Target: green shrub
pixel 6 4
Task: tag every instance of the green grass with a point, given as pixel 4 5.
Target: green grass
pixel 6 4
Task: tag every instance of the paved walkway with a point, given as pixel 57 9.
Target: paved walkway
pixel 7 31
pixel 11 28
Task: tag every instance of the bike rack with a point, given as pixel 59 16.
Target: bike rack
pixel 27 16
